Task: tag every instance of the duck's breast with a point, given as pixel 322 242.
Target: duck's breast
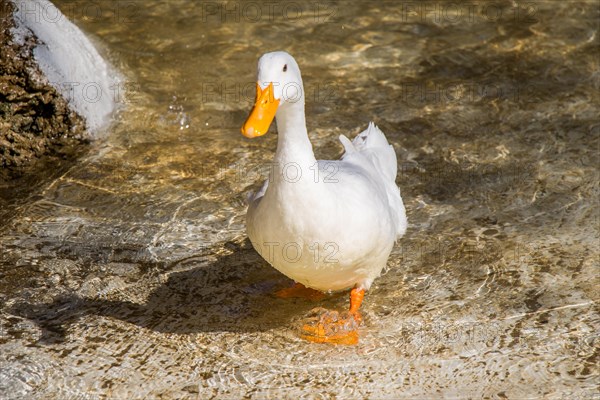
pixel 336 231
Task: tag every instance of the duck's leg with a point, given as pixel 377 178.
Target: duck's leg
pixel 333 327
pixel 301 291
pixel 356 297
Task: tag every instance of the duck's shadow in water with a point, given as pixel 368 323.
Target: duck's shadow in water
pixel 232 293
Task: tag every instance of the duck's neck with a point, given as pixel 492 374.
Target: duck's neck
pixel 293 145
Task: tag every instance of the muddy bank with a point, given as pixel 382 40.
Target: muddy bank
pixel 38 131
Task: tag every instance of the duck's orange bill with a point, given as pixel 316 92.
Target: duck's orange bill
pixel 262 114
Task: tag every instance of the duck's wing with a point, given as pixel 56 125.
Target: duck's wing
pixel 372 145
pixel 254 198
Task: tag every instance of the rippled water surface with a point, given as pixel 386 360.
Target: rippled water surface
pixel 130 275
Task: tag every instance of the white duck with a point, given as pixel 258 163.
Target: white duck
pixel 329 225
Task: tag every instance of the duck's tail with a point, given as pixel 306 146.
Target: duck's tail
pixel 373 145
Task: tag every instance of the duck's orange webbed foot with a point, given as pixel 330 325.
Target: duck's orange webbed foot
pixel 327 326
pixel 300 291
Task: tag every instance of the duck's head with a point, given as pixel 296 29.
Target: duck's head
pixel 279 84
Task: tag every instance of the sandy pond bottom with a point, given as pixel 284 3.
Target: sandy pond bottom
pixel 130 276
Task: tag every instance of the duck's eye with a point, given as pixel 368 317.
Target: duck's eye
pixel 285 68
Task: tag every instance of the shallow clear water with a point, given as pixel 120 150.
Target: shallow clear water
pixel 130 276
